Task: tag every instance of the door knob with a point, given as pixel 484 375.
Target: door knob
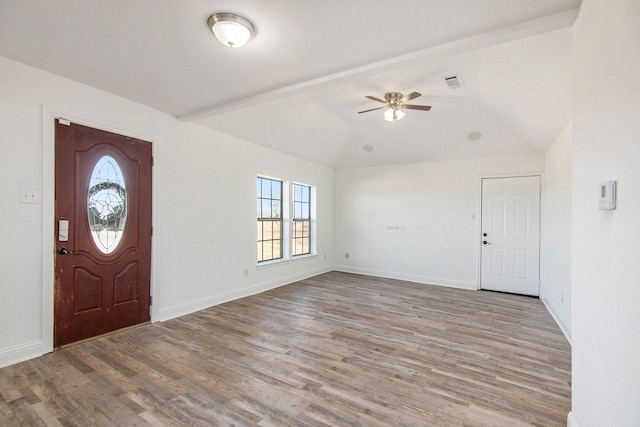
pixel 484 234
pixel 484 242
pixel 63 251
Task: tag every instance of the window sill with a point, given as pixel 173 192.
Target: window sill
pixel 303 257
pixel 274 263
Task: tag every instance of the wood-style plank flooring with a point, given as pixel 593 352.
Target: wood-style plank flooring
pixel 334 350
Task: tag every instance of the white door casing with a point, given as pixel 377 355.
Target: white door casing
pixel 510 228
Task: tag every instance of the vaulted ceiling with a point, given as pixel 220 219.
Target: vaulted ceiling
pixel 298 85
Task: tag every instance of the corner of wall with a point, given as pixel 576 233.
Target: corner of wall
pixel 415 278
pixel 565 331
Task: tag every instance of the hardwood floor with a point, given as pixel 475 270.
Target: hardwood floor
pixel 334 350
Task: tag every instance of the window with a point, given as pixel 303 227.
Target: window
pixel 301 227
pixel 107 204
pixel 270 227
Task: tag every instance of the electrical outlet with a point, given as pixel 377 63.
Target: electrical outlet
pixel 29 195
pixel 347 255
pixel 246 272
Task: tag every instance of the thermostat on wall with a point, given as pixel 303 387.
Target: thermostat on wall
pixel 608 195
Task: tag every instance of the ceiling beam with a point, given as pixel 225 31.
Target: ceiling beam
pixel 513 32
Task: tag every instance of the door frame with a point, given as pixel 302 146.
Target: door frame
pixel 479 220
pixel 49 115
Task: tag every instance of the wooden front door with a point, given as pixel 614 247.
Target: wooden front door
pixel 511 235
pixel 103 232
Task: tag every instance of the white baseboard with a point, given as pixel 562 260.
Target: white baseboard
pixel 20 353
pixel 202 303
pixel 572 421
pixel 416 278
pixel 561 325
pixel 31 350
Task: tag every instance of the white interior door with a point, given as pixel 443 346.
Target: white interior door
pixel 511 235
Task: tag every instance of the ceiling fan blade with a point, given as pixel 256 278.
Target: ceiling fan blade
pixel 376 99
pixel 412 95
pixel 366 111
pixel 417 107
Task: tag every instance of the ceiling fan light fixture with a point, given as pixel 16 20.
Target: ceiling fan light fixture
pixel 230 29
pixel 393 114
pixel 394 103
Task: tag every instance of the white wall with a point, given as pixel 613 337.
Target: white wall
pixel 203 201
pixel 432 206
pixel 555 287
pixel 606 244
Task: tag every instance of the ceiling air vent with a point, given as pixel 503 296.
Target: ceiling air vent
pixel 454 82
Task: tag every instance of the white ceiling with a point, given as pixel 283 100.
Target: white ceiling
pixel 297 86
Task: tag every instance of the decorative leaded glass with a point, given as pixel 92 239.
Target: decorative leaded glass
pixel 107 204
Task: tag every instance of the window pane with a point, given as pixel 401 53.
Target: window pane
pixel 107 204
pixel 267 250
pixel 275 209
pixel 267 230
pixel 276 227
pixel 276 249
pixel 266 209
pixel 301 228
pixel 276 189
pixel 266 189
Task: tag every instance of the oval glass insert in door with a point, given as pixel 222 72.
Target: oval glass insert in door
pixel 107 204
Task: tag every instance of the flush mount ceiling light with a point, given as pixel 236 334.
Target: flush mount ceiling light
pixel 230 29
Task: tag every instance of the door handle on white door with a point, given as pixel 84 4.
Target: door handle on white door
pixel 484 242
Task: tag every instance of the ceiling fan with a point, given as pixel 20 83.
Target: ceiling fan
pixel 394 102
